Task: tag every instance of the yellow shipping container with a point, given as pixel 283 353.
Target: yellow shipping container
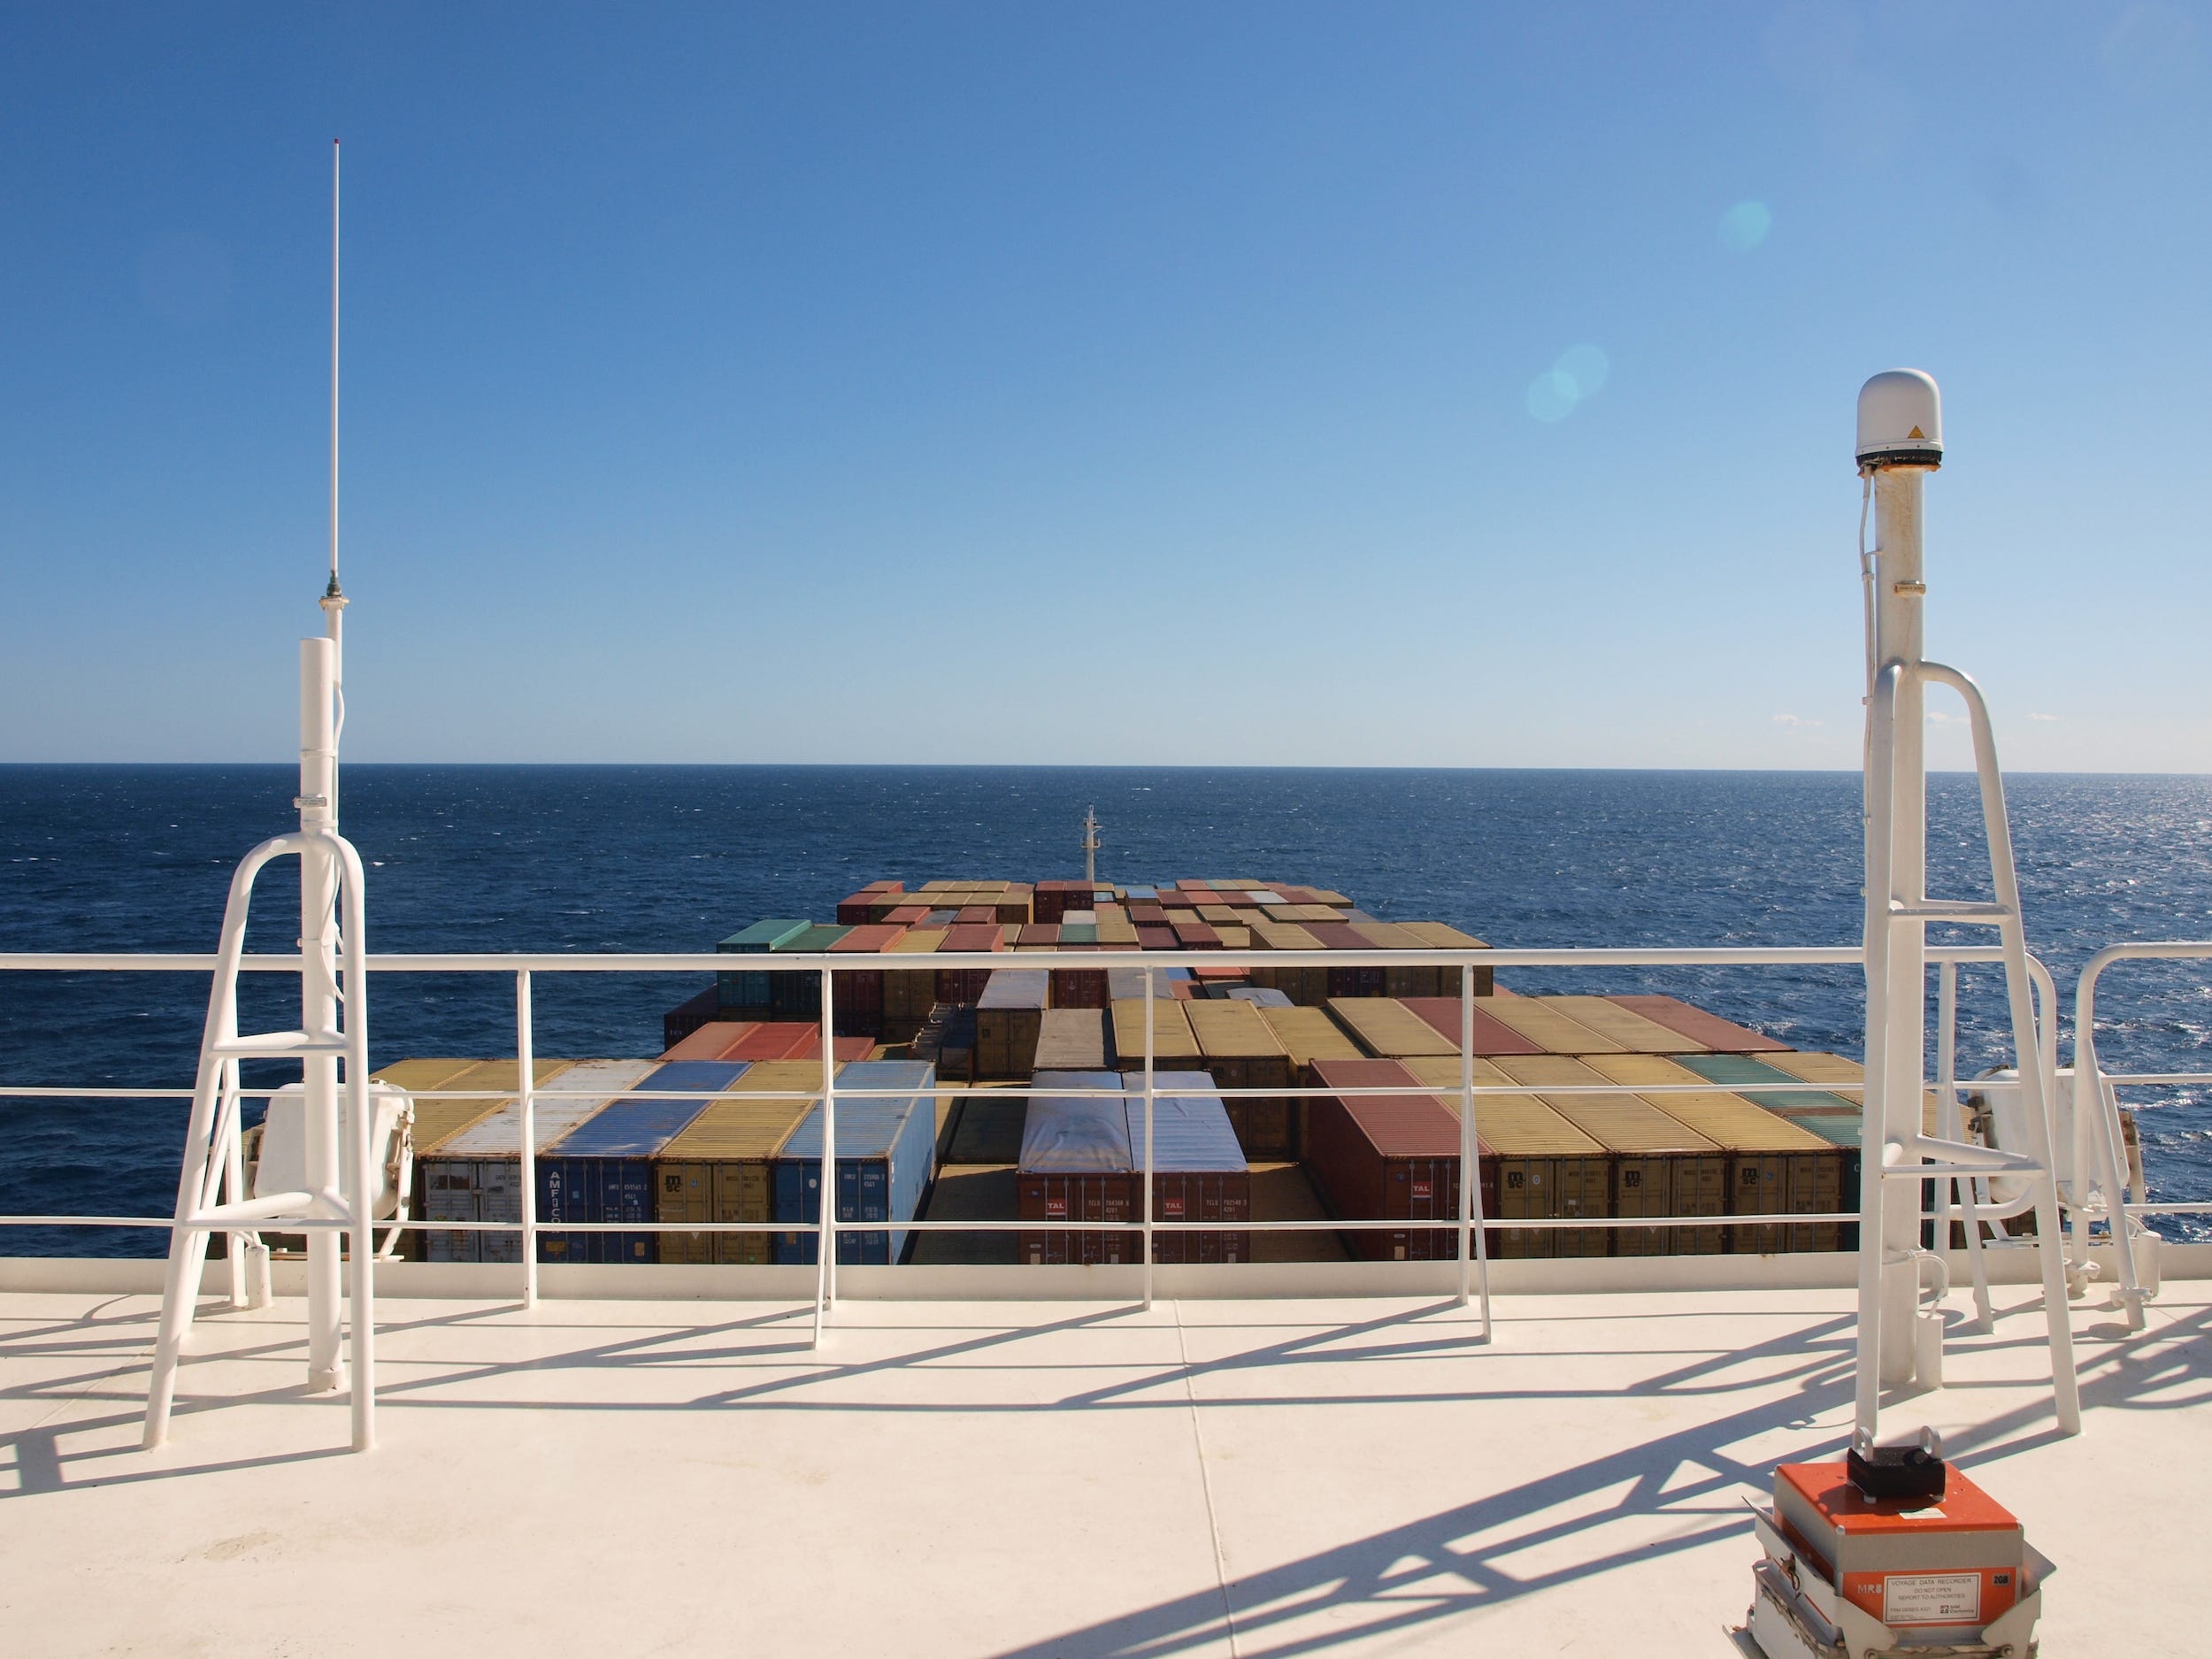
pixel 1625 1027
pixel 1536 1019
pixel 1387 1028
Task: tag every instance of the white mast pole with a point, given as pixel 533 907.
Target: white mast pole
pixel 1899 444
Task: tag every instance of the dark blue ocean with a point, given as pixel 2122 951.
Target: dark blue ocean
pixel 672 858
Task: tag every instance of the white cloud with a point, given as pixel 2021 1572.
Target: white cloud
pixel 1797 722
pixel 1939 717
pixel 2044 720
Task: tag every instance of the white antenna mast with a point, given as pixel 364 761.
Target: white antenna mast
pixel 334 599
pixel 1090 845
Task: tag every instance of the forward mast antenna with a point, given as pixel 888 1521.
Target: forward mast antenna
pixel 333 600
pixel 1090 845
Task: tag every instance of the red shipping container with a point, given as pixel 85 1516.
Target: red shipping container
pixel 907 915
pixel 1720 1035
pixel 776 1039
pixel 1195 935
pixel 712 1040
pixel 965 985
pixel 1155 936
pixel 969 914
pixel 1493 1036
pixel 1386 1157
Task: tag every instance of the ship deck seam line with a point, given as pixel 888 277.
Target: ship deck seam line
pixel 1206 1484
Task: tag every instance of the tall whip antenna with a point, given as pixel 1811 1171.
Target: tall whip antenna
pixel 333 597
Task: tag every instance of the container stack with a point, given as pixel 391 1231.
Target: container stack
pixel 602 1171
pixel 886 1156
pixel 1707 1125
pixel 475 1173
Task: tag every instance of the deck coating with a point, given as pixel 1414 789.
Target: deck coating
pixel 1036 1480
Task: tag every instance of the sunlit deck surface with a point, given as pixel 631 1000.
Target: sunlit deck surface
pixel 1339 1478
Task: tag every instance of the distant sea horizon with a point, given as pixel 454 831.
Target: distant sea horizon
pixel 666 856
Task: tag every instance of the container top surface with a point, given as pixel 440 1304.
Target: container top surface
pixel 498 1134
pixel 869 936
pixel 735 1128
pixel 1193 1126
pixel 1389 935
pixel 1387 1027
pixel 1624 1025
pixel 964 936
pixel 1016 988
pixel 710 1041
pixel 1443 936
pixel 1409 1125
pixel 918 941
pixel 1710 1029
pixel 819 937
pixel 779 1076
pixel 1509 1126
pixel 1730 1121
pixel 1493 1036
pixel 1258 996
pixel 1620 1123
pixel 1229 1029
pixel 435 1119
pixel 1127 985
pixel 1308 1034
pixel 1838 1129
pixel 1535 1018
pixel 866 1128
pixel 638 1125
pixel 420 1075
pixel 1285 936
pixel 1809 1067
pixel 1743 1072
pixel 766 935
pixel 1070 1134
pixel 1171 1035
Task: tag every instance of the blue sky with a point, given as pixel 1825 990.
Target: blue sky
pixel 1452 384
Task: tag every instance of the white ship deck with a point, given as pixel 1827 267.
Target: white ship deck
pixel 1334 1477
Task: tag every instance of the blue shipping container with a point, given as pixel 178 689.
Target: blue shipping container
pixel 603 1168
pixel 886 1156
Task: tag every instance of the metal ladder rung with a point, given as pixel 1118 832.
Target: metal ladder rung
pixel 278 1045
pixel 1952 910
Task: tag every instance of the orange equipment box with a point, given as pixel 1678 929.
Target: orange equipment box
pixel 1956 1560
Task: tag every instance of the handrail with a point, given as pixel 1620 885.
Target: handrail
pixel 1472 1227
pixel 2096 1101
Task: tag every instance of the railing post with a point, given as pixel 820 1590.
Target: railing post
pixel 1474 1253
pixel 825 1235
pixel 1145 1214
pixel 526 1058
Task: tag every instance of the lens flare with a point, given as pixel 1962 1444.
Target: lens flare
pixel 1586 367
pixel 1552 396
pixel 1744 226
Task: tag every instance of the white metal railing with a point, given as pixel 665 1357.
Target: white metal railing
pixel 2099 1139
pixel 1469 1223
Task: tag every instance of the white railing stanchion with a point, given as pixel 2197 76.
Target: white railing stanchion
pixel 826 1233
pixel 1470 1164
pixel 1145 1214
pixel 1951 1126
pixel 526 1078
